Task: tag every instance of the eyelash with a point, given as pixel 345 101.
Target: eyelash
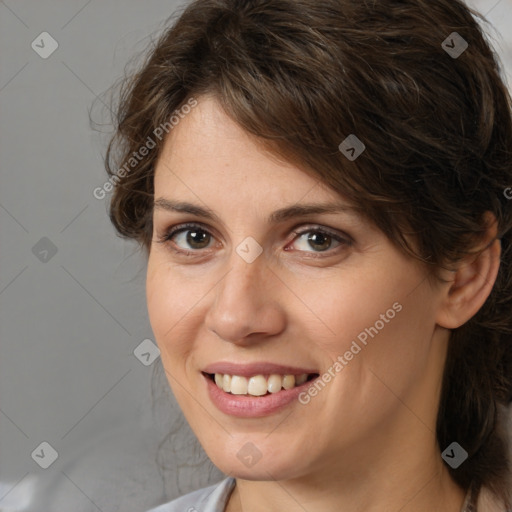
pixel 166 238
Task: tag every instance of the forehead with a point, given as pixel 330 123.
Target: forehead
pixel 208 153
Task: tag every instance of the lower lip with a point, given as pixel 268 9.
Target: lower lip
pixel 247 406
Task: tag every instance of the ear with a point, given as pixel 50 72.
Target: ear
pixel 471 282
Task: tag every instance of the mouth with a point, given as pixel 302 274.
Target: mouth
pixel 259 385
pixel 257 389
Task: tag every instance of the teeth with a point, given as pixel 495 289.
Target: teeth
pixel 300 379
pixel 274 383
pixel 289 381
pixel 238 385
pixel 226 383
pixel 258 385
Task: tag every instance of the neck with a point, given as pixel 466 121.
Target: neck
pixel 419 485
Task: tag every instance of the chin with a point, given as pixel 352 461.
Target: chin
pixel 249 464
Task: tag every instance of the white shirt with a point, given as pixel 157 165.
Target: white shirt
pixel 215 499
pixel 208 499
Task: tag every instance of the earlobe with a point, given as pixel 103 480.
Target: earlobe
pixel 471 284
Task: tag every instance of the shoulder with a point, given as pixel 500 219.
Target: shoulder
pixel 207 499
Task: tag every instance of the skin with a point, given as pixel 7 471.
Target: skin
pixel 367 440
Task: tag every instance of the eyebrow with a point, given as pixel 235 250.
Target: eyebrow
pixel 281 215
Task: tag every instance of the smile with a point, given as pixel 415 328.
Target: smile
pixel 257 389
pixel 258 385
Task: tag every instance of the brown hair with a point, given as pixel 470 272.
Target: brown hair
pixel 303 75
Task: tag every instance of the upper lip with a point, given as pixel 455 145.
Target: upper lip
pixel 259 368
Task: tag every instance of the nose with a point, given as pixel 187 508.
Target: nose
pixel 247 305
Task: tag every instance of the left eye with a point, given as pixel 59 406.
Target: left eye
pixel 320 240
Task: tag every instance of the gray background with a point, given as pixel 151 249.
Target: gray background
pixel 70 320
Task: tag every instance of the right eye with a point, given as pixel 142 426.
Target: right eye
pixel 187 238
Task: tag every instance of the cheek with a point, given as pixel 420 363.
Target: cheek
pixel 170 304
pixel 159 299
pixel 338 310
pixel 387 319
pixel 382 357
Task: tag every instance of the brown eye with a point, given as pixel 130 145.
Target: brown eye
pixel 319 240
pixel 196 238
pixel 188 238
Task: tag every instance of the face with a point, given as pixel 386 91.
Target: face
pixel 320 333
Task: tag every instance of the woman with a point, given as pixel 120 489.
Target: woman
pixel 320 187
